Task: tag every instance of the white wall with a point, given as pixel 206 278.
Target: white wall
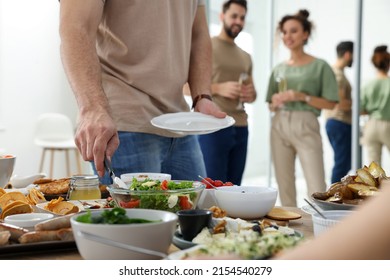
pixel 334 21
pixel 32 80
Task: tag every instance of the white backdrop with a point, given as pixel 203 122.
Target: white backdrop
pixel 32 80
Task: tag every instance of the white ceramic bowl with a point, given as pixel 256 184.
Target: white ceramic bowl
pixel 207 198
pixel 246 202
pixel 128 177
pixel 27 220
pixel 333 217
pixel 6 169
pixel 155 236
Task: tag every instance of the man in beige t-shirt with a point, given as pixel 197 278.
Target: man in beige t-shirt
pixel 224 151
pixel 338 124
pixel 126 62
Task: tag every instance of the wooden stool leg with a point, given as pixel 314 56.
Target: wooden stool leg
pixel 51 162
pixel 78 161
pixel 67 162
pixel 42 160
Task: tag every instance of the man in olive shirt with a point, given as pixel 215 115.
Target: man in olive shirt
pixel 224 151
pixel 338 125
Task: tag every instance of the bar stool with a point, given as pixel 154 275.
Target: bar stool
pixel 55 132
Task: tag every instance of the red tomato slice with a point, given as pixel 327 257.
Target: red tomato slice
pixel 164 185
pixel 184 203
pixel 130 204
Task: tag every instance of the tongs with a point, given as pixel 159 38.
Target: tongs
pixel 116 182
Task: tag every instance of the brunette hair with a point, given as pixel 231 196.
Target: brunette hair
pixel 227 4
pixel 302 16
pixel 381 58
pixel 343 47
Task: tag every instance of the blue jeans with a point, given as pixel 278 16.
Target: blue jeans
pixel 224 153
pixel 142 152
pixel 340 134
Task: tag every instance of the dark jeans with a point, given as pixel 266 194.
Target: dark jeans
pixel 141 152
pixel 340 134
pixel 224 153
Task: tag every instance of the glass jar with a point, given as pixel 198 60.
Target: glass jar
pixel 84 187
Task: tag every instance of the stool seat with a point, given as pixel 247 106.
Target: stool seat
pixel 55 132
pixel 64 144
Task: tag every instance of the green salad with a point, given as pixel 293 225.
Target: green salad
pixel 161 195
pixel 114 216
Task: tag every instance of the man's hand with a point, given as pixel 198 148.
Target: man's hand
pixel 231 90
pixel 96 137
pixel 248 93
pixel 208 107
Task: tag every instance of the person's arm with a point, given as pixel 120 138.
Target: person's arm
pixel 230 89
pixel 96 133
pixel 363 235
pixel 199 75
pixel 248 92
pixel 314 101
pixel 344 103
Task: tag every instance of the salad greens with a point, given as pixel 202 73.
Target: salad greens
pixel 114 216
pixel 154 185
pixel 155 195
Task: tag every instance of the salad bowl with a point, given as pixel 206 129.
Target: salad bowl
pixel 164 195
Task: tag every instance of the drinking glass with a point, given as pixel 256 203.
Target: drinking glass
pixel 243 79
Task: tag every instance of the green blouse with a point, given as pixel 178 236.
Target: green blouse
pixel 315 79
pixel 375 99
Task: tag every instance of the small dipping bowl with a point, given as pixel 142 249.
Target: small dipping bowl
pixel 192 221
pixel 27 220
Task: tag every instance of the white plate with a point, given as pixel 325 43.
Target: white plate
pixel 191 123
pixel 178 255
pixel 40 207
pixel 27 220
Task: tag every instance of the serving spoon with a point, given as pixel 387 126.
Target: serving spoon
pixel 315 209
pixel 116 182
pixel 121 245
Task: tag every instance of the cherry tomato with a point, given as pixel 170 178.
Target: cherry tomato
pixel 184 203
pixel 164 185
pixel 130 204
pixel 218 183
pixel 228 184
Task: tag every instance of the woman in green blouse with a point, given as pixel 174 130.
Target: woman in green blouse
pixel 298 89
pixel 375 101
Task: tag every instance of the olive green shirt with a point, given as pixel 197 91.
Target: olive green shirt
pixel 315 78
pixel 375 99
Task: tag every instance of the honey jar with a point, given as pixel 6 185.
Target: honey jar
pixel 84 187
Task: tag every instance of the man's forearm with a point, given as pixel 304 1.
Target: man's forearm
pixel 83 70
pixel 199 75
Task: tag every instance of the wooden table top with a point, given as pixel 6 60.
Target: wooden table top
pixel 303 225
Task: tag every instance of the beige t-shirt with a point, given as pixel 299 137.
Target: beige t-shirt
pixel 229 61
pixel 343 84
pixel 144 50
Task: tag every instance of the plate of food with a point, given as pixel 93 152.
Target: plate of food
pixel 225 235
pixel 191 123
pixel 352 190
pixel 61 207
pixel 247 244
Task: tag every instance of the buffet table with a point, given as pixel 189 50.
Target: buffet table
pixel 303 225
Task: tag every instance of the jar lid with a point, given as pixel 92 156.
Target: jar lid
pixel 85 180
